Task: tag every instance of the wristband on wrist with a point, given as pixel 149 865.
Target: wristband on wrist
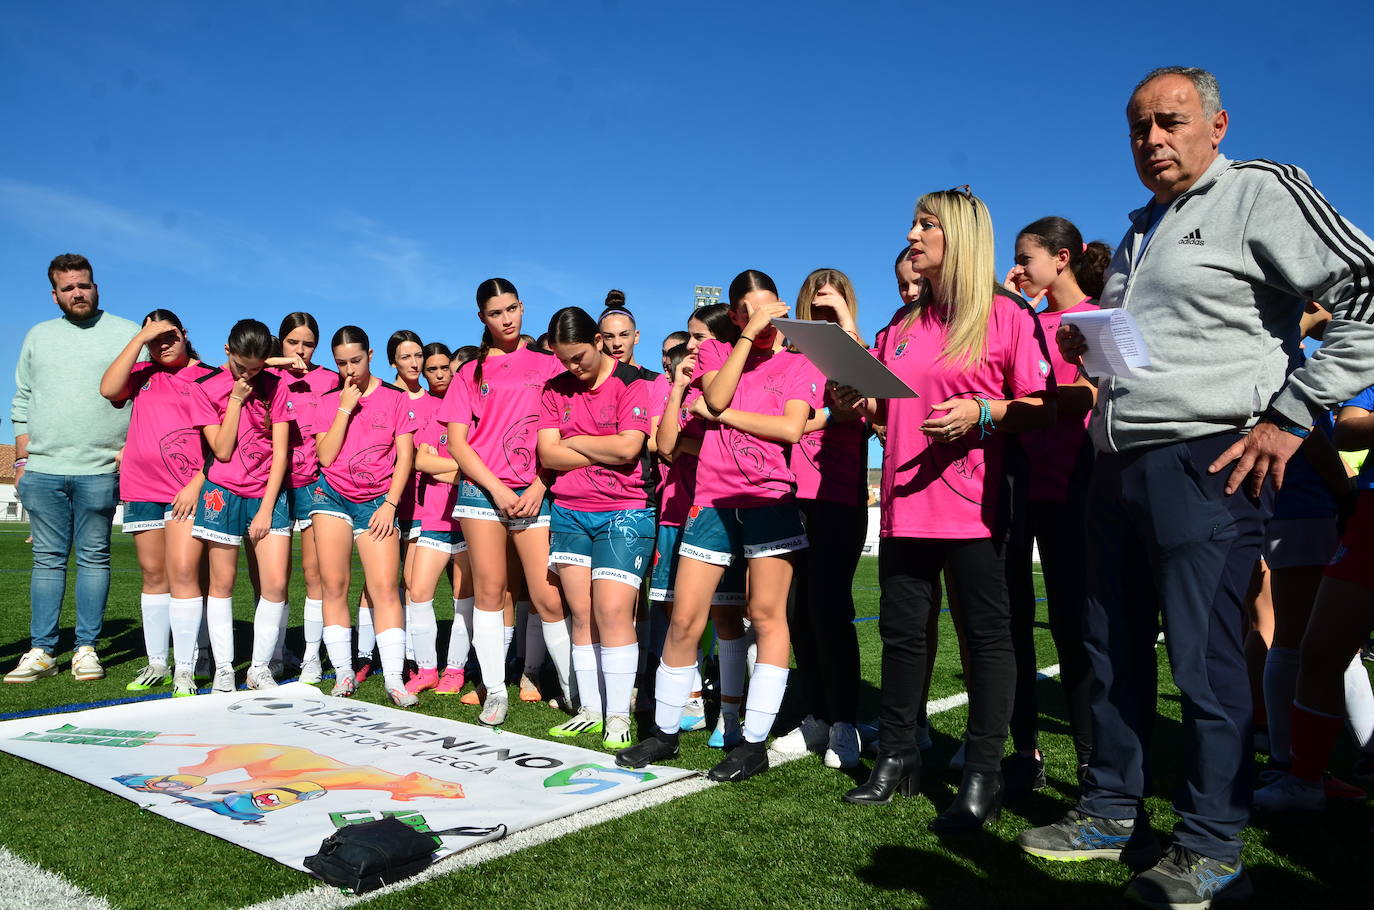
pixel 1288 426
pixel 390 503
pixel 345 411
pixel 20 462
pixel 827 415
pixel 985 424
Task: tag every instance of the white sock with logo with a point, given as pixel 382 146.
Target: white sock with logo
pixel 219 616
pixel 558 642
pixel 672 688
pixel 266 626
pixel 588 686
pixel 183 614
pixel 312 623
pixel 488 627
pixel 619 666
pixel 367 636
pixel 392 645
pixel 157 625
pixel 338 644
pixel 279 652
pixel 424 635
pixel 766 689
pixel 460 636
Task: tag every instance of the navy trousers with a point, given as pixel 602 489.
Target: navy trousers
pixel 1164 538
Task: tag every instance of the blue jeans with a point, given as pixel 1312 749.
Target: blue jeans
pixel 66 510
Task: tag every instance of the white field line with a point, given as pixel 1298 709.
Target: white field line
pixel 31 886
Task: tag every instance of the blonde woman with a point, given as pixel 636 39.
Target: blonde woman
pixel 978 361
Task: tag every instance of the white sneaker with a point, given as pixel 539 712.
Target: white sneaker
pixel 811 736
pixel 1291 793
pixel 617 732
pixel 844 747
pixel 312 671
pixel 154 674
pixel 224 678
pixel 345 684
pixel 183 682
pixel 401 698
pixel 260 677
pixel 693 715
pixel 35 664
pixel 494 708
pixel 86 665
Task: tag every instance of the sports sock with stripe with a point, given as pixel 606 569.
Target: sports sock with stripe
pixel 157 625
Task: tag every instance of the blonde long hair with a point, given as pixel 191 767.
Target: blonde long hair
pixel 812 285
pixel 964 291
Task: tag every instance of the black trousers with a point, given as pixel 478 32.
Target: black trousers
pixel 824 641
pixel 908 569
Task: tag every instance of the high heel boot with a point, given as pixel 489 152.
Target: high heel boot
pixel 893 772
pixel 979 801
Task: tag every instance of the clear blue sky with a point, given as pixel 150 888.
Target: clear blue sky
pixel 372 162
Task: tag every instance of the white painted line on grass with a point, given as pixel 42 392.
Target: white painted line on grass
pixel 950 702
pixel 27 885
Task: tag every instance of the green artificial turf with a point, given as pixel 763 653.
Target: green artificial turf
pixel 783 839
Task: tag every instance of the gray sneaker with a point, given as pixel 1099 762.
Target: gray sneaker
pixel 224 678
pixel 312 671
pixel 1077 836
pixel 261 678
pixel 183 682
pixel 494 708
pixel 1184 880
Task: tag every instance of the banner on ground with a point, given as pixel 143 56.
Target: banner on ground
pixel 278 771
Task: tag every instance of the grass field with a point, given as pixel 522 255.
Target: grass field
pixel 780 840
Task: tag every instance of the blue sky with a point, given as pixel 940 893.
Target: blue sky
pixel 373 162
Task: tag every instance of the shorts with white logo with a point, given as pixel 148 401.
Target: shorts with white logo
pixel 146 516
pixel 299 499
pixel 730 591
pixel 223 516
pixel 721 536
pixel 475 502
pixel 616 545
pixel 450 542
pixel 325 500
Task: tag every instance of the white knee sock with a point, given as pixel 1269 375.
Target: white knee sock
pixel 219 616
pixel 1359 704
pixel 534 645
pixel 507 636
pixel 1280 688
pixel 487 630
pixel 752 654
pixel 732 653
pixel 618 667
pixel 696 677
pixel 279 650
pixel 392 645
pixel 157 626
pixel 312 623
pixel 672 688
pixel 266 626
pixel 558 641
pixel 766 688
pixel 367 635
pixel 588 685
pixel 184 613
pixel 338 643
pixel 424 635
pixel 405 627
pixel 460 636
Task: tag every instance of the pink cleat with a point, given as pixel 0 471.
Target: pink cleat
pixel 451 683
pixel 423 678
pixel 364 669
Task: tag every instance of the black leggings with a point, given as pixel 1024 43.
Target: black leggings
pixel 908 570
pixel 824 641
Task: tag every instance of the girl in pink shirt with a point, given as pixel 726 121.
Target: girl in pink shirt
pixel 593 432
pixel 242 411
pixel 755 398
pixel 305 381
pixel 439 544
pixel 492 413
pixel 1053 263
pixel 832 490
pixel 363 433
pixel 161 473
pixel 978 364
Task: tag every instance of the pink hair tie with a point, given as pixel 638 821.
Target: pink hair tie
pixel 1085 247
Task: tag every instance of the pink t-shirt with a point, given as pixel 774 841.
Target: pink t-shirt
pixel 829 462
pixel 301 395
pixel 1054 452
pixel 620 404
pixel 367 460
pixel 739 470
pixel 680 478
pixel 424 409
pixel 246 471
pixel 434 499
pixel 165 449
pixel 502 416
pixel 949 490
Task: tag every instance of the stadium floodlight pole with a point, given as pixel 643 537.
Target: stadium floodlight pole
pixel 706 296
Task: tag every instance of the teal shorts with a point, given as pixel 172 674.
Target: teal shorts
pixel 223 516
pixel 450 542
pixel 730 591
pixel 476 503
pixel 722 536
pixel 616 545
pixel 325 500
pixel 146 516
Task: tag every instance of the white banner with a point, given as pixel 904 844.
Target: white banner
pixel 278 771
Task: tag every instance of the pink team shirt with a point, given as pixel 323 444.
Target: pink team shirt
pixel 739 470
pixel 680 478
pixel 246 471
pixel 620 404
pixel 165 449
pixel 302 394
pixel 1054 452
pixel 829 462
pixel 502 416
pixel 426 409
pixel 365 464
pixel 949 490
pixel 434 499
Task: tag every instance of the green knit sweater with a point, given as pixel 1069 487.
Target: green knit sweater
pixel 71 429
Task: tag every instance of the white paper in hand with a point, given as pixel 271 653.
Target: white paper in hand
pixel 1115 346
pixel 842 359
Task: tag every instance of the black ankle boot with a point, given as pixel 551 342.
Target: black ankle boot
pixel 979 801
pixel 893 772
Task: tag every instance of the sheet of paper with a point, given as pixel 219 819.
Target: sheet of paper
pixel 1115 346
pixel 843 359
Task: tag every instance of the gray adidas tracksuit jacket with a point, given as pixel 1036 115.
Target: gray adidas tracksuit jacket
pixel 1217 294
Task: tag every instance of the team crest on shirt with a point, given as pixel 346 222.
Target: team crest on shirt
pixel 443 439
pixel 214 501
pixel 901 348
pixel 483 389
pixel 1044 368
pixel 638 412
pixel 147 385
pixel 410 415
pixel 567 411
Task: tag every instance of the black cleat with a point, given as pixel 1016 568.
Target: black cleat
pixel 648 751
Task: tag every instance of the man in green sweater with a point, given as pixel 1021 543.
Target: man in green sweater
pixel 68 440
